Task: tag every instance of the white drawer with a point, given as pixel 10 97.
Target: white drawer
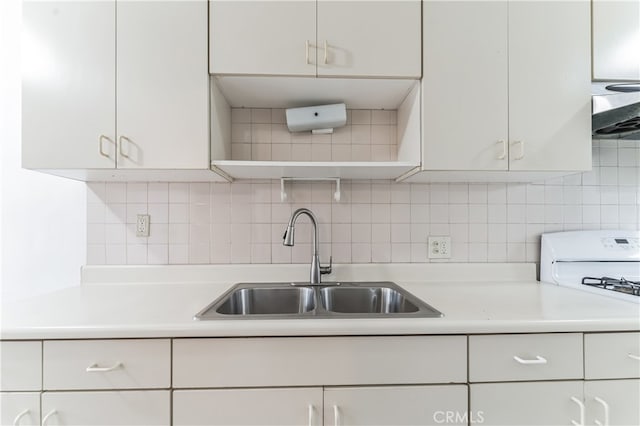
pixel 20 366
pixel 611 355
pixel 499 358
pixel 316 361
pixel 107 364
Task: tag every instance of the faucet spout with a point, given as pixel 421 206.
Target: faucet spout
pixel 289 240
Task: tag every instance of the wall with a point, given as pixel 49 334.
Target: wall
pixel 42 218
pixel 376 221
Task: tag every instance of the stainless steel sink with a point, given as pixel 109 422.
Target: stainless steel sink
pixel 327 300
pixel 365 300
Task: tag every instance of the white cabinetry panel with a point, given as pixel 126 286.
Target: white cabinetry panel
pixel 525 357
pixel 264 407
pixel 528 403
pixel 20 408
pixel 465 95
pixel 259 37
pixel 21 366
pixel 163 85
pixel 107 408
pixel 68 85
pixel 395 405
pixel 616 39
pixel 612 402
pixel 234 362
pixel 369 38
pixel 107 364
pixel 611 355
pixel 549 86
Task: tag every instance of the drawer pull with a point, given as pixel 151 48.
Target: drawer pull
pixel 336 416
pixel 538 360
pixel 605 407
pixel 581 405
pixel 93 368
pixel 16 421
pixel 632 356
pixel 46 418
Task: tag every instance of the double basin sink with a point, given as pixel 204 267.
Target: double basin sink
pixel 326 300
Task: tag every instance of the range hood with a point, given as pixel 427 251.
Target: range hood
pixel 616 110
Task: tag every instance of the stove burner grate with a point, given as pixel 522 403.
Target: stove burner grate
pixel 621 285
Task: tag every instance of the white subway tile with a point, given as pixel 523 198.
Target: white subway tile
pixel 179 213
pixel 380 233
pixel 96 254
pixel 136 192
pixel 178 254
pixel 116 193
pixel 458 193
pixel 178 193
pixel 260 253
pixel 381 252
pixel 320 152
pixel 281 152
pixel 360 116
pixel 361 252
pixel 136 254
pixel 400 253
pixel 157 254
pixel 116 254
pixel 240 115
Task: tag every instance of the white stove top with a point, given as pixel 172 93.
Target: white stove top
pixel 567 258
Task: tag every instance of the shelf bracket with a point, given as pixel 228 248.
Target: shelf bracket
pixel 283 191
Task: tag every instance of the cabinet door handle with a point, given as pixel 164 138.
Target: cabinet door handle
pixel 520 156
pixel 336 416
pixel 504 149
pixel 311 415
pixel 605 407
pixel 45 419
pixel 120 140
pixel 538 360
pixel 102 139
pixel 16 421
pixel 632 356
pixel 581 406
pixel 93 368
pixel 306 51
pixel 326 52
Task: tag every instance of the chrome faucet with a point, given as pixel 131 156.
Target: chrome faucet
pixel 288 240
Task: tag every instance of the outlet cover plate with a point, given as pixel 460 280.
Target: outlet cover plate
pixel 439 247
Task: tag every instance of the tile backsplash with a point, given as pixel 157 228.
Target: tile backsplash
pixel 376 221
pixel 261 134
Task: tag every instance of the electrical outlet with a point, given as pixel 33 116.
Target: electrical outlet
pixel 142 225
pixel 439 247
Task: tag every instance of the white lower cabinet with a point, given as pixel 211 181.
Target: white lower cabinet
pixel 612 402
pixel 20 408
pixel 265 407
pixel 108 408
pixel 396 405
pixel 378 405
pixel 527 403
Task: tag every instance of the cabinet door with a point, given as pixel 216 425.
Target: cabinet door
pixel 262 37
pixel 163 85
pixel 616 39
pixel 369 38
pixel 20 408
pixel 396 405
pixel 549 85
pixel 527 403
pixel 299 406
pixel 143 408
pixel 617 403
pixel 68 85
pixel 464 86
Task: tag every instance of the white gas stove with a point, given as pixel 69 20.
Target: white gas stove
pixel 605 262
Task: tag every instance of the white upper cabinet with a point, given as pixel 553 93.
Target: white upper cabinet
pixel 309 38
pixel 162 91
pixel 68 85
pixel 549 86
pixel 509 93
pixel 115 85
pixel 616 39
pixel 465 93
pixel 262 37
pixel 369 38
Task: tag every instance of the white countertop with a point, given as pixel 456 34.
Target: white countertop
pixel 150 302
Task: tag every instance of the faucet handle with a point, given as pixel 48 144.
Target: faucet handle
pixel 327 269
